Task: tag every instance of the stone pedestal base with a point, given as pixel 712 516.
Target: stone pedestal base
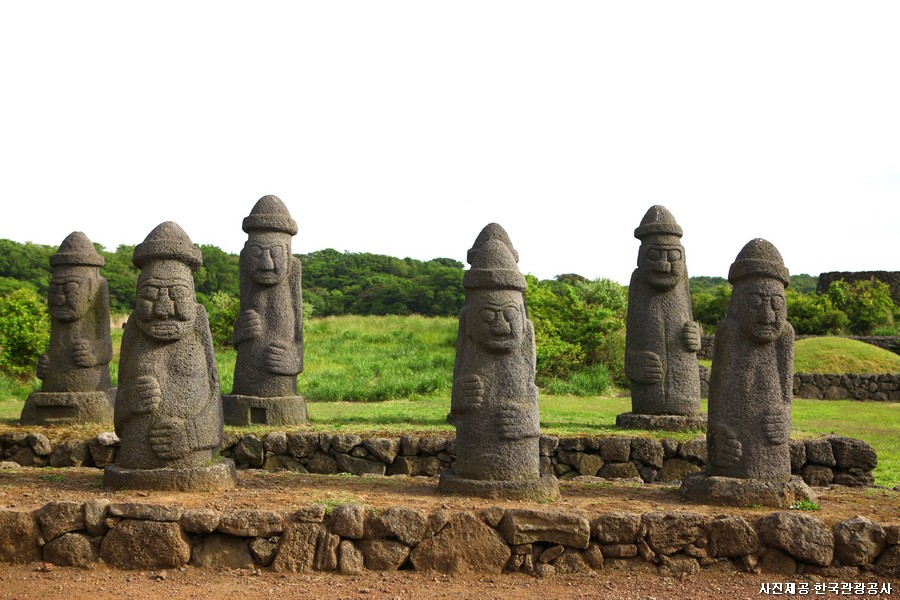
pixel 731 491
pixel 253 410
pixel 219 476
pixel 546 487
pixel 68 408
pixel 631 420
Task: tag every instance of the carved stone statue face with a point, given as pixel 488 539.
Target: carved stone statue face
pixel 165 306
pixel 661 261
pixel 762 309
pixel 497 320
pixel 268 255
pixel 71 289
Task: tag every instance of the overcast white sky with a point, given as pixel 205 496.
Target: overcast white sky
pixel 403 128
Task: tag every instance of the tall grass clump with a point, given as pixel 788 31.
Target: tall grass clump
pixel 591 381
pixel 375 358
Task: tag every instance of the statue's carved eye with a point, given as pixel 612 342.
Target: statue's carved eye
pixel 256 251
pixel 674 255
pixel 179 292
pixel 654 254
pixel 488 315
pixel 53 288
pixel 510 313
pixel 149 292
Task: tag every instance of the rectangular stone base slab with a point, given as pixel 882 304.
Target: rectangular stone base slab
pixel 545 487
pixel 631 420
pixel 219 476
pixel 253 410
pixel 731 491
pixel 68 408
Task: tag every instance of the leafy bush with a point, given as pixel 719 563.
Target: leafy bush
pixel 574 320
pixel 814 314
pixel 223 309
pixel 867 304
pixel 710 305
pixel 24 332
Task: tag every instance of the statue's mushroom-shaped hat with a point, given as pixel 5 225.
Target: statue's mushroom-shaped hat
pixel 658 220
pixel 759 258
pixel 494 262
pixel 77 250
pixel 270 214
pixel 167 241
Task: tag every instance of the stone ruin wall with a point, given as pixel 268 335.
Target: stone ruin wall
pixel 821 461
pixel 351 539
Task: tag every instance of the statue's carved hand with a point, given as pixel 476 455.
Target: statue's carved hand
pixel 248 326
pixel 470 396
pixel 729 448
pixel 515 424
pixel 43 366
pixel 690 336
pixel 83 354
pixel 282 359
pixel 648 367
pixel 777 429
pixel 147 394
pixel 169 439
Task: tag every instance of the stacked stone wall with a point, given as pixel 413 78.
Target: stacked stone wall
pixel 352 539
pixel 832 459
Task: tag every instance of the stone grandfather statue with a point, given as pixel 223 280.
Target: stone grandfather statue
pixel 268 334
pixel 751 388
pixel 168 413
pixel 494 401
pixel 74 371
pixel 661 339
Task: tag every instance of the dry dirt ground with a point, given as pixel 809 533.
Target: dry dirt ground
pixel 25 489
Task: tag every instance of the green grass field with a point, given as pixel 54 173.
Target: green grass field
pixel 401 369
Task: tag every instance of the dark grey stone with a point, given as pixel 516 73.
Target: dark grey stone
pixel 350 560
pixel 615 449
pixel 276 442
pixel 850 453
pixel 71 550
pixel 798 455
pixel 263 550
pixel 297 547
pixel 751 385
pixel 349 521
pixel 326 558
pixel 268 333
pixel 168 412
pixel 303 445
pixel 126 547
pixel 494 401
pixel 616 528
pixel 407 525
pixel 733 491
pixel 523 526
pixel 359 466
pixel 819 452
pixel 668 533
pixel 220 551
pixel 57 518
pixel 144 512
pixel 817 475
pixel 461 544
pixel 676 469
pixel 200 521
pixel 70 453
pixel 250 452
pixel 383 555
pixel 75 385
pixel 649 452
pixel 619 471
pixel 384 449
pixel 95 512
pixel 633 420
pixel 858 541
pixel 252 523
pixel 20 537
pixel 694 450
pixel 731 537
pixel 803 537
pixel 662 339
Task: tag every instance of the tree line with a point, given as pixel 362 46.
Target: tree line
pixel 579 323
